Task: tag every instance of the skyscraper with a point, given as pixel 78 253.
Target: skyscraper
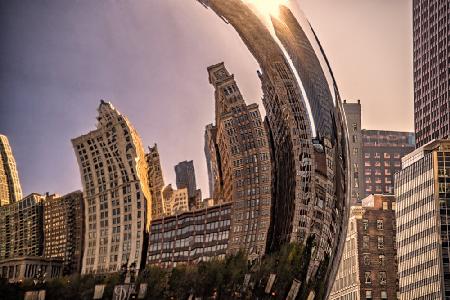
pixel 243 151
pixel 368 269
pixel 10 190
pixel 155 179
pixel 308 137
pixel 382 154
pixel 185 177
pixel 422 189
pixel 64 229
pixel 116 193
pixel 353 116
pixel 213 164
pixel 431 62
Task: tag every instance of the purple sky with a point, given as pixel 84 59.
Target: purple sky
pixel 149 58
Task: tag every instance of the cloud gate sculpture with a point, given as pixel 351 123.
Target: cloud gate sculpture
pixel 307 132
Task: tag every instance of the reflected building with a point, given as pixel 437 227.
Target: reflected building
pixel 307 133
pixel 155 180
pixel 244 155
pixel 174 201
pixel 10 189
pixel 116 193
pixel 213 163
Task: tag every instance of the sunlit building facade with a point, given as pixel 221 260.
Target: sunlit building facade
pixel 10 189
pixel 116 193
pixel 245 163
pixel 213 164
pixel 175 201
pixel 422 189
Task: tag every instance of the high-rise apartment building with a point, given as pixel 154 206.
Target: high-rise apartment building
pixel 116 193
pixel 156 180
pixel 21 228
pixel 382 155
pixel 10 190
pixel 64 230
pixel 174 201
pixel 244 154
pixel 431 62
pixel 185 176
pixel 353 117
pixel 422 189
pixel 368 268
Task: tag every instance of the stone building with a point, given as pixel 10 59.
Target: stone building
pixel 27 267
pixel 422 189
pixel 190 237
pixel 21 228
pixel 213 164
pixel 174 201
pixel 382 154
pixel 156 180
pixel 243 151
pixel 353 116
pixel 116 193
pixel 431 62
pixel 10 189
pixel 64 230
pixel 368 268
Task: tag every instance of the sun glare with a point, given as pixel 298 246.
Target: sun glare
pixel 268 7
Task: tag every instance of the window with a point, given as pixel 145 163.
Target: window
pixel 368 280
pixel 368 294
pixel 381 260
pixel 380 242
pixel 380 224
pixel 366 242
pixel 366 259
pixel 385 205
pixel 365 224
pixel 383 295
pixel 382 278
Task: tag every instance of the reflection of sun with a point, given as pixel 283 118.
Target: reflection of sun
pixel 268 7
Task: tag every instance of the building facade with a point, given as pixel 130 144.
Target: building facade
pixel 422 190
pixel 27 267
pixel 116 193
pixel 64 230
pixel 431 62
pixel 245 163
pixel 382 155
pixel 353 116
pixel 213 164
pixel 368 268
pixel 174 201
pixel 190 237
pixel 21 228
pixel 156 180
pixel 185 177
pixel 10 189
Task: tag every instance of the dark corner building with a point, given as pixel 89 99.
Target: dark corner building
pixel 382 156
pixel 431 64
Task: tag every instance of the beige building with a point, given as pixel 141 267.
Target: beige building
pixel 422 189
pixel 156 180
pixel 368 267
pixel 10 190
pixel 27 267
pixel 116 193
pixel 175 201
pixel 244 155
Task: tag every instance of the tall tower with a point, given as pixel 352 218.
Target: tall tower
pixel 353 116
pixel 155 180
pixel 431 62
pixel 10 190
pixel 115 191
pixel 185 177
pixel 244 154
pixel 422 189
